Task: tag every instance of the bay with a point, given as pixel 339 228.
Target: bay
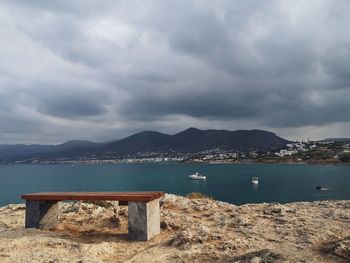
pixel 226 182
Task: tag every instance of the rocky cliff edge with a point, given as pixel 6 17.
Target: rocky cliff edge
pixel 193 230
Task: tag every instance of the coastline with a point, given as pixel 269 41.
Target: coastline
pixel 137 161
pixel 277 162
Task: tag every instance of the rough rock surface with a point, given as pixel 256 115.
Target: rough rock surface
pixel 193 230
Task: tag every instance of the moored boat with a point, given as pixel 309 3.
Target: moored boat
pixel 197 176
pixel 321 188
pixel 255 180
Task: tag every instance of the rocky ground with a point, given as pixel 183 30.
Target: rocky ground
pixel 193 230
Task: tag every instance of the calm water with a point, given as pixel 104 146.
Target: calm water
pixel 231 183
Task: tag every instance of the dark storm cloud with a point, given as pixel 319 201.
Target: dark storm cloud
pixel 274 77
pixel 70 107
pixel 121 66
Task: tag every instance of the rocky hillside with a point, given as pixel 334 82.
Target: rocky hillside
pixel 196 140
pixel 191 140
pixel 193 230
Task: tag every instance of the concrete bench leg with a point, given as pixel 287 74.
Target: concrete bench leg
pixel 41 214
pixel 143 220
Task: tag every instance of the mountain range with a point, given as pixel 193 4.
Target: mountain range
pixel 188 141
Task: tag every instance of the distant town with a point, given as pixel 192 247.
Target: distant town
pixel 309 152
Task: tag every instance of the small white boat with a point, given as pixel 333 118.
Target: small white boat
pixel 197 176
pixel 255 180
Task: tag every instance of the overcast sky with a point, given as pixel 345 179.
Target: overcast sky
pixel 101 70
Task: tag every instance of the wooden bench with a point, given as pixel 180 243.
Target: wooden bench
pixel 143 209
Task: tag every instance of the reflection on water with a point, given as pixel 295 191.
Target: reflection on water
pixel 198 182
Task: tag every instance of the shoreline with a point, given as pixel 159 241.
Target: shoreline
pixel 73 163
pixel 205 197
pixel 220 201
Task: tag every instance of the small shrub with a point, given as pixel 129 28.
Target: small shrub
pixel 102 203
pixel 198 195
pixel 345 157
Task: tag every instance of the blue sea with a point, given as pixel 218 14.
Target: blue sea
pixel 226 182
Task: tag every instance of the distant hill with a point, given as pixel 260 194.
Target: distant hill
pixel 195 140
pixel 78 144
pixel 21 150
pixel 188 141
pixel 146 141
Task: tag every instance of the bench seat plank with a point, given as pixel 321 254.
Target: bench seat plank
pixel 112 196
